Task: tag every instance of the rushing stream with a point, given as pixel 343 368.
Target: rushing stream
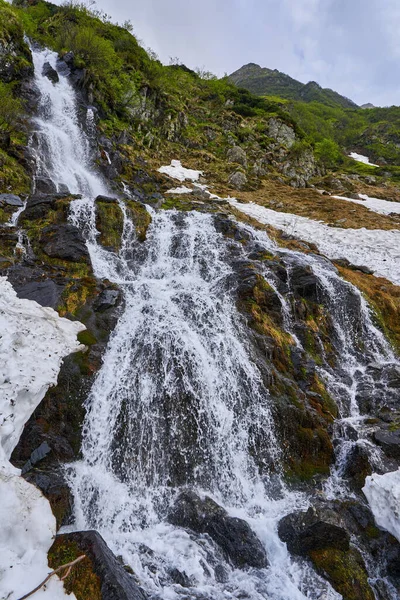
pixel 180 400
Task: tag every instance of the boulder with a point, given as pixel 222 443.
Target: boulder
pixel 234 536
pixel 237 155
pixel 389 441
pixel 45 293
pixel 65 242
pixel 10 200
pixel 237 180
pixel 281 132
pixel 50 73
pixel 305 283
pixel 315 529
pixel 107 299
pixel 44 185
pixel 100 575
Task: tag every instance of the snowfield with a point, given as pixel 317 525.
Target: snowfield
pixel 176 171
pixel 33 342
pixel 383 207
pixel 362 159
pixel 376 249
pixel 383 495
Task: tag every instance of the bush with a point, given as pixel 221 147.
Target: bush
pixel 328 153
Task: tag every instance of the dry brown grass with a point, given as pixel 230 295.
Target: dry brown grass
pixel 309 203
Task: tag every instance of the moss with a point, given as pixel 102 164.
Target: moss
pixel 82 581
pixel 141 218
pixel 314 454
pixel 383 297
pixel 86 338
pixel 345 571
pixel 110 223
pixel 13 177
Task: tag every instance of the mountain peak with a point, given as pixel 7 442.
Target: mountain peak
pixel 267 82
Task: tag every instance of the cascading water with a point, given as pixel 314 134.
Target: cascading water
pixel 180 400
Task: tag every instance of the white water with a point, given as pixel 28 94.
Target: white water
pixel 179 400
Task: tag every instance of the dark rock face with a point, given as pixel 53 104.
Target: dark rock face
pixel 65 242
pixel 50 73
pixel 115 582
pixel 234 536
pixel 390 442
pixel 305 283
pixel 107 299
pixel 312 530
pixel 44 185
pixel 52 484
pixel 45 293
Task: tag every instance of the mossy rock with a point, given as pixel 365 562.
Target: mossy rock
pixel 346 572
pixel 82 581
pixel 110 223
pixel 141 218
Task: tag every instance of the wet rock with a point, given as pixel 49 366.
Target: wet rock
pixel 237 155
pixel 68 58
pixel 53 485
pixel 107 299
pixel 30 93
pixel 358 465
pixel 389 441
pixel 44 185
pixel 63 189
pixel 179 578
pixel 110 579
pixel 237 180
pixel 305 283
pixel 36 456
pixel 65 242
pixel 50 73
pixel 10 200
pixel 234 536
pixel 313 530
pixel 45 293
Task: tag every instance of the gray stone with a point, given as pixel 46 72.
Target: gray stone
pixel 107 299
pixel 10 200
pixel 237 180
pixel 45 293
pixel 313 530
pixel 65 242
pixel 106 199
pixel 44 185
pixel 237 155
pixel 389 442
pixel 234 536
pixel 50 73
pixel 281 132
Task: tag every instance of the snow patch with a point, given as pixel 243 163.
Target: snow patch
pixel 383 495
pixel 33 342
pixel 376 249
pixel 362 159
pixel 176 171
pixel 383 207
pixel 180 190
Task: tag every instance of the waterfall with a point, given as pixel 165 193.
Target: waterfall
pixel 180 400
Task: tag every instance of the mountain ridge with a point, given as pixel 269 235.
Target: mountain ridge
pixel 263 81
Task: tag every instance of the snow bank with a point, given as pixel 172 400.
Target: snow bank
pixel 376 249
pixel 33 342
pixel 361 158
pixel 177 171
pixel 383 207
pixel 180 190
pixel 383 495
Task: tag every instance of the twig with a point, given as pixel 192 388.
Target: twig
pixel 68 566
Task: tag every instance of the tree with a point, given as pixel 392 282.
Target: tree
pixel 328 152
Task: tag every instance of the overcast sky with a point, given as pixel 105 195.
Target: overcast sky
pixel 352 46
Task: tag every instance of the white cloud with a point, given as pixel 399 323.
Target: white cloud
pixel 351 46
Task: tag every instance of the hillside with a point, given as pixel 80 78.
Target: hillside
pixel 267 82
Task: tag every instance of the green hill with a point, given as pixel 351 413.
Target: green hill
pixel 268 82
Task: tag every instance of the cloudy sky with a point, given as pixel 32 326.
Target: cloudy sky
pixel 352 46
